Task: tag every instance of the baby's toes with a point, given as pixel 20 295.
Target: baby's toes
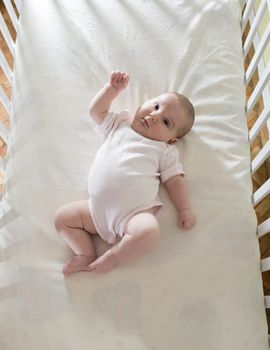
pixel 103 264
pixel 77 263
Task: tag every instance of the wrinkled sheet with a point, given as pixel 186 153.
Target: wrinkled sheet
pixel 200 289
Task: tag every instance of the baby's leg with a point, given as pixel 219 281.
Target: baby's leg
pixel 141 237
pixel 74 223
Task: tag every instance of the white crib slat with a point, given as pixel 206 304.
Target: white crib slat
pixel 265 264
pixel 246 14
pixel 258 90
pixel 261 193
pixel 2 165
pixel 267 301
pixel 4 99
pixel 261 157
pixel 3 132
pixel 263 228
pixel 6 34
pixel 18 5
pixel 254 27
pixel 264 116
pixel 5 66
pixel 11 13
pixel 258 54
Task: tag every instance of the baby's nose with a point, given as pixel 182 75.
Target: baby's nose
pixel 153 118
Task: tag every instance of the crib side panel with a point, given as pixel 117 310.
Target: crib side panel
pixel 9 17
pixel 256 53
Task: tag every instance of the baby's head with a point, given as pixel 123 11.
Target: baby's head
pixel 166 118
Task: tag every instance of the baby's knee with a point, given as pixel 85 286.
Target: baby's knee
pixel 150 237
pixel 143 230
pixel 60 218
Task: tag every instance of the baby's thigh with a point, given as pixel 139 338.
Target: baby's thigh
pixel 143 226
pixel 75 214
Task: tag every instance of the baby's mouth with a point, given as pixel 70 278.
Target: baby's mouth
pixel 145 123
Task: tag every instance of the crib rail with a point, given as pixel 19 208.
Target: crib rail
pixel 258 66
pixel 8 25
pixel 257 77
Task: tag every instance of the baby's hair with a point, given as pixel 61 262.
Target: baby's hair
pixel 185 103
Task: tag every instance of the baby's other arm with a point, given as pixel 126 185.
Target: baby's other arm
pixel 101 103
pixel 178 192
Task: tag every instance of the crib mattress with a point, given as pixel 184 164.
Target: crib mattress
pixel 199 289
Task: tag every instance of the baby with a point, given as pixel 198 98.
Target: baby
pixel 137 154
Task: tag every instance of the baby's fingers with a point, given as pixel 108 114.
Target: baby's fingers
pixel 118 76
pixel 186 222
pixel 114 75
pixel 119 80
pixel 125 79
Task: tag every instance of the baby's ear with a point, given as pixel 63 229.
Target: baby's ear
pixel 172 141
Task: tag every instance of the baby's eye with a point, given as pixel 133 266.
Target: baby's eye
pixel 156 106
pixel 166 121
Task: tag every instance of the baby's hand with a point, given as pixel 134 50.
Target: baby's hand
pixel 119 80
pixel 186 219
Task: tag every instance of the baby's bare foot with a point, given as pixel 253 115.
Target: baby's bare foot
pixel 103 264
pixel 77 263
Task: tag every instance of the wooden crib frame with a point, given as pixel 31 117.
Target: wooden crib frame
pixel 257 105
pixel 257 76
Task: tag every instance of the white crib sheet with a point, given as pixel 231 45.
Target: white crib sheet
pixel 197 290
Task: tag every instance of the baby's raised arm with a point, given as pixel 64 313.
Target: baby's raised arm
pixel 101 103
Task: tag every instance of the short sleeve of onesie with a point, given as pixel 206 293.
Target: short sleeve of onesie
pixel 170 164
pixel 111 122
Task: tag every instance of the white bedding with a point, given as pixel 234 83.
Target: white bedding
pixel 200 289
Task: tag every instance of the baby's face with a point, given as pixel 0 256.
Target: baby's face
pixel 160 118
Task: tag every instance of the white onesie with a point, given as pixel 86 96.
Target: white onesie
pixel 125 175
